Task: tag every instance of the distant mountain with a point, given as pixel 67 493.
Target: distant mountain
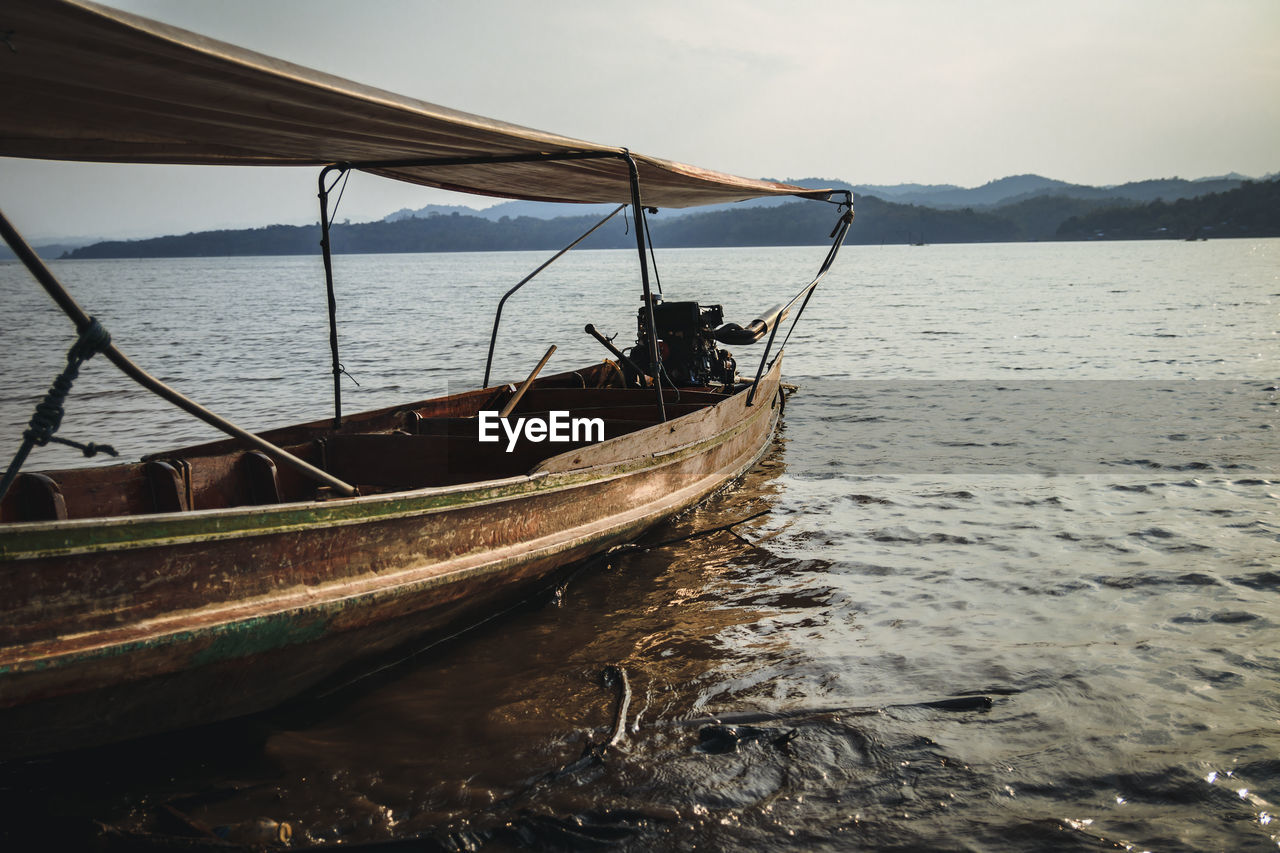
pixel 1250 210
pixel 796 223
pixel 987 195
pixel 271 240
pixel 1029 208
pixel 545 210
pixel 1167 189
pixel 1038 217
pixel 991 195
pixel 433 210
pixel 1022 187
pixel 897 192
pixel 505 209
pixel 1235 176
pixel 45 250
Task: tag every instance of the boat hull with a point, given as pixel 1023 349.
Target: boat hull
pixel 128 626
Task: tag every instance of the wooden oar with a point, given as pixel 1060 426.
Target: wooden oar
pixel 506 410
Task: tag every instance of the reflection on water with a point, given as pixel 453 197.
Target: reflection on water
pixel 1076 654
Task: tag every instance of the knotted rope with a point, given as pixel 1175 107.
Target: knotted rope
pixel 93 339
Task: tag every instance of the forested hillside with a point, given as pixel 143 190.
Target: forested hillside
pixel 1252 210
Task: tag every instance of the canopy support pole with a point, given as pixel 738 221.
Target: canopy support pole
pixel 838 235
pixel 655 357
pixel 327 253
pixel 83 321
pixel 493 338
pixel 633 171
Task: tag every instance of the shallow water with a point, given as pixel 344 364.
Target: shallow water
pixel 1016 585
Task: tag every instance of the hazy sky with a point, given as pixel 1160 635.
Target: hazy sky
pixel 929 91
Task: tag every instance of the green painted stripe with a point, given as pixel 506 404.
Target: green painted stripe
pixel 49 539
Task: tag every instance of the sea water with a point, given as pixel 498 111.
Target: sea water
pixel 1008 578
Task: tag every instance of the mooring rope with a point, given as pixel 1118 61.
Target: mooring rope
pixel 93 339
pixel 632 546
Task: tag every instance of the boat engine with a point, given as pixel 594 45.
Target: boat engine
pixel 686 343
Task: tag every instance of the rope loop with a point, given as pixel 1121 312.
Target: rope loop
pixel 93 339
pixel 845 220
pixel 89 450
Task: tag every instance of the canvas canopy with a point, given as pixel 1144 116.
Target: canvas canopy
pixel 79 81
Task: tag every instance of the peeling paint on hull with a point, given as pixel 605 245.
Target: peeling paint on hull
pixel 125 626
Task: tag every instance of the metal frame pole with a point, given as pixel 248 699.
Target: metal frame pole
pixel 493 337
pixel 655 358
pixel 327 254
pixel 837 235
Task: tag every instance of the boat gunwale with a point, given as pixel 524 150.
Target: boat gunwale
pixel 229 616
pixel 23 540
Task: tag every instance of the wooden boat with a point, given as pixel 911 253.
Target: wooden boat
pixel 215 581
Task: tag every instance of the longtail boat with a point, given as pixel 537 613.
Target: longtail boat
pixel 214 581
